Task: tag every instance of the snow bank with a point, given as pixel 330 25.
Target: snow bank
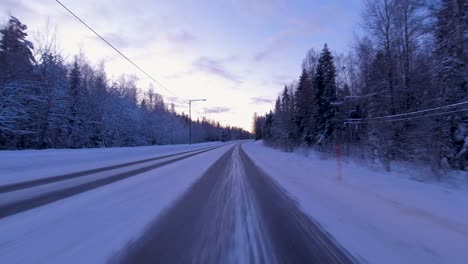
pixel 378 217
pixel 23 165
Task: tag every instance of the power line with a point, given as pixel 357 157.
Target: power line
pixel 404 119
pixel 410 113
pixel 120 53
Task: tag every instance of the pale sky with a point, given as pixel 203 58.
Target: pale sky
pixel 238 54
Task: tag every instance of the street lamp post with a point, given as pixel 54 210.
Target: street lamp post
pixel 190 117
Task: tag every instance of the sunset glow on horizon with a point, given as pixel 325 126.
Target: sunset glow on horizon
pixel 237 54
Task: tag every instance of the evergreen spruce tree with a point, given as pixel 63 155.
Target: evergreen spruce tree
pixel 75 123
pixel 325 94
pixel 287 116
pixel 19 96
pixel 304 107
pixel 16 58
pixel 267 127
pixel 52 116
pixel 277 125
pixel 452 57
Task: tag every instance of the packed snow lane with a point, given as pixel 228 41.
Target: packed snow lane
pixel 16 198
pixel 92 226
pixel 233 214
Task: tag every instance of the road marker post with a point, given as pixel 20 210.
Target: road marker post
pixel 339 162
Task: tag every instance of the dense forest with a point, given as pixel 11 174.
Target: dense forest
pixel 47 102
pixel 400 94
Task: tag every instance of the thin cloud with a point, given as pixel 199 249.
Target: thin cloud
pixel 278 81
pixel 179 75
pixel 216 110
pixel 273 44
pixel 285 38
pixel 215 67
pixel 281 80
pixel 181 37
pixel 14 8
pixel 261 55
pixel 261 100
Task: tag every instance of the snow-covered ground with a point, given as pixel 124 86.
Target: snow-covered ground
pixel 92 226
pixel 378 217
pixel 18 166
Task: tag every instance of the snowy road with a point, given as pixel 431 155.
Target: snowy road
pixel 234 214
pixel 211 205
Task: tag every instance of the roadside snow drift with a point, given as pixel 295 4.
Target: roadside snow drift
pixel 377 217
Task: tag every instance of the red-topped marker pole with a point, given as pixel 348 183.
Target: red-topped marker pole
pixel 339 161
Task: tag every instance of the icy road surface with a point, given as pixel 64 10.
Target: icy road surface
pixel 205 205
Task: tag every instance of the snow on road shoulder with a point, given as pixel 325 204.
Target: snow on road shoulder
pixel 24 165
pixel 378 217
pixel 95 225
